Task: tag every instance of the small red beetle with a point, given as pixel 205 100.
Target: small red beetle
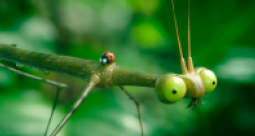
pixel 107 57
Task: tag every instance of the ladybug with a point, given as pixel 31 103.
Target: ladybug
pixel 107 57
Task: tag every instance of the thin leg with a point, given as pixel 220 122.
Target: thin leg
pixel 93 81
pixel 138 107
pixel 53 109
pixel 195 102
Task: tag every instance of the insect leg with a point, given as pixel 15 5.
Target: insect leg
pixel 53 109
pixel 195 102
pixel 93 81
pixel 138 107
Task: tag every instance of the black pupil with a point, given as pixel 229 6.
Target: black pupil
pixel 213 82
pixel 174 91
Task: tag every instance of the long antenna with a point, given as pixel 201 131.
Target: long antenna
pixel 176 30
pixel 190 62
pixel 183 65
pixel 189 42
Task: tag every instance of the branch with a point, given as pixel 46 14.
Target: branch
pixel 123 76
pixel 109 74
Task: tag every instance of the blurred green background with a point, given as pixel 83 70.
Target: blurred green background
pixel 141 34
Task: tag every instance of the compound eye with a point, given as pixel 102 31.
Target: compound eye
pixel 209 79
pixel 174 88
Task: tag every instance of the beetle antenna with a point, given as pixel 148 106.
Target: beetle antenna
pixel 190 62
pixel 183 64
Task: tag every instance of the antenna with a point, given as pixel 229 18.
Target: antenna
pixel 183 64
pixel 190 62
pixel 189 49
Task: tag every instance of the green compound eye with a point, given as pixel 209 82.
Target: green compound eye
pixel 170 88
pixel 175 89
pixel 209 79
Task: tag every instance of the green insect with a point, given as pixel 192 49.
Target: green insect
pixel 192 83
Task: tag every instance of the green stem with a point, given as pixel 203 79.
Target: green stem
pixel 109 74
pixel 123 76
pixel 61 64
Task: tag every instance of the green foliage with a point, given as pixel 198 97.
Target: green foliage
pixel 141 35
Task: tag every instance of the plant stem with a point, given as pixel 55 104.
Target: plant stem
pixel 123 76
pixel 109 74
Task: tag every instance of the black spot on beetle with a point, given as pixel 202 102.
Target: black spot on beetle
pixel 213 82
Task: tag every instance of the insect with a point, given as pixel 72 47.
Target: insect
pixel 191 83
pixel 107 57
